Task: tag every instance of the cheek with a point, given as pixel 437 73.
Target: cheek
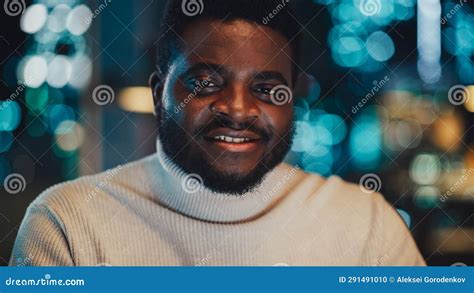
pixel 178 103
pixel 195 114
pixel 280 118
pixel 189 111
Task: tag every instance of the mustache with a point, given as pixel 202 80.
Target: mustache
pixel 226 122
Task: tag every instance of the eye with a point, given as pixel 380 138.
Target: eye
pixel 264 91
pixel 202 86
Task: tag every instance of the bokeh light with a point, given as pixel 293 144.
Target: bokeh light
pixel 10 115
pixel 365 142
pixel 69 135
pixel 59 113
pixel 34 71
pixel 34 18
pixel 425 169
pixel 59 71
pixel 57 18
pixel 380 46
pixel 79 20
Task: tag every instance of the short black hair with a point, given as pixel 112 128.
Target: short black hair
pixel 179 14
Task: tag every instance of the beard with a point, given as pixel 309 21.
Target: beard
pixel 191 158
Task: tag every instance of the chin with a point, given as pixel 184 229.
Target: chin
pixel 232 169
pixel 234 187
pixel 235 180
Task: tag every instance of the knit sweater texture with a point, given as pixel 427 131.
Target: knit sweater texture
pixel 145 214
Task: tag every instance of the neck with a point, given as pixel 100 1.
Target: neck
pixel 176 191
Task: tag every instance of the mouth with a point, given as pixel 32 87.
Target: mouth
pixel 233 140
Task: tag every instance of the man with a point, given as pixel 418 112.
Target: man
pixel 216 192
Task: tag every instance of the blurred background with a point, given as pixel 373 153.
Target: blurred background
pixel 392 108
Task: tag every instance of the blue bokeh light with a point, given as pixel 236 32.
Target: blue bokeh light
pixel 10 115
pixel 59 113
pixel 380 46
pixel 6 141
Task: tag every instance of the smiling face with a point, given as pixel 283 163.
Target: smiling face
pixel 216 105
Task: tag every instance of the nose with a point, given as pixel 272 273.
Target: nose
pixel 239 106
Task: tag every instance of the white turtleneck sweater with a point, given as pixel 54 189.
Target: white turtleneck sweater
pixel 139 214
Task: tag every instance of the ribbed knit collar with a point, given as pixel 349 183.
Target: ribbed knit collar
pixel 205 204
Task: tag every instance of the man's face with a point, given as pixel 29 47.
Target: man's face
pixel 216 114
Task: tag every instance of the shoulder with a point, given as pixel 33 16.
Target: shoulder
pixel 332 190
pixel 366 215
pixel 80 192
pixel 335 191
pixel 346 203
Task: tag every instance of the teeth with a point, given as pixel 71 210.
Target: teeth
pixel 231 139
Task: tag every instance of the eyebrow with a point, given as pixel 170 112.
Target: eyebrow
pixel 219 69
pixel 266 75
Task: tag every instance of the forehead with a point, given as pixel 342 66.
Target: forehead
pixel 238 45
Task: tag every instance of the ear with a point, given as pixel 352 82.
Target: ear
pixel 156 84
pixel 303 85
